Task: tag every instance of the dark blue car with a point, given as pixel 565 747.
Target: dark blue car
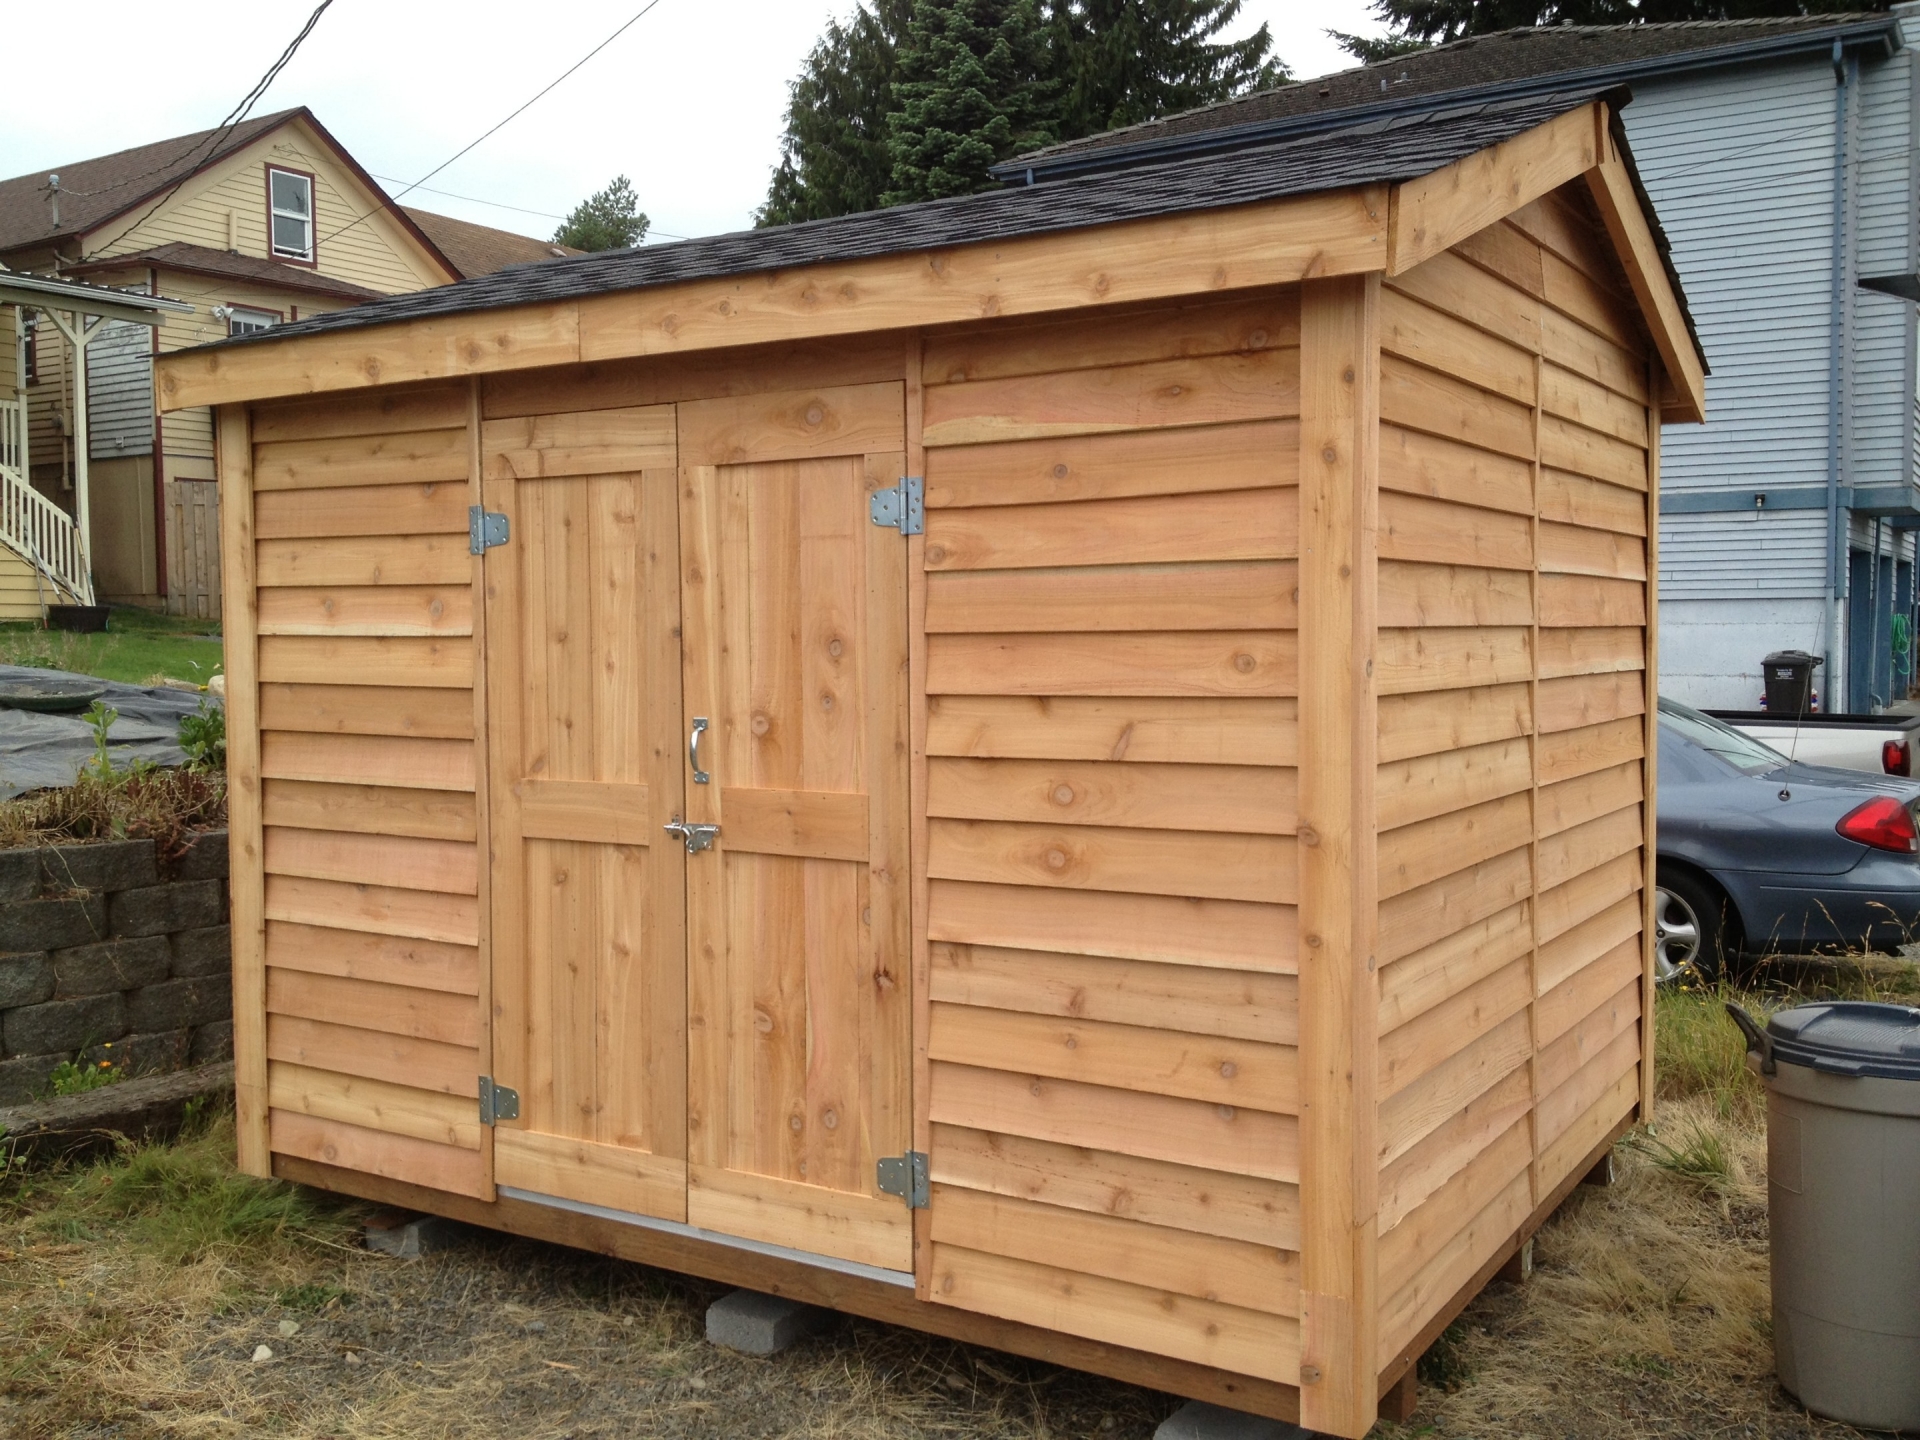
pixel 1759 855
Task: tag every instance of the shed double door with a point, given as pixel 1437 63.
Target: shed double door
pixel 719 1037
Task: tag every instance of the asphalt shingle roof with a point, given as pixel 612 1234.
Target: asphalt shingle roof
pixel 1374 152
pixel 253 269
pixel 481 249
pixel 1557 56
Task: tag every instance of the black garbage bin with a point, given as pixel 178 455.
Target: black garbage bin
pixel 1789 676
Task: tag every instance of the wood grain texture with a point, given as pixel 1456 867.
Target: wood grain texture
pixel 1129 530
pixel 1143 729
pixel 367 710
pixel 1136 862
pixel 373 1152
pixel 1244 799
pixel 1240 663
pixel 1258 455
pixel 1343 389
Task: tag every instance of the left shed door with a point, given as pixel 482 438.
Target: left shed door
pixel 588 899
pixel 351 668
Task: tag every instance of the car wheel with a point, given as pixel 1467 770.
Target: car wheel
pixel 1689 929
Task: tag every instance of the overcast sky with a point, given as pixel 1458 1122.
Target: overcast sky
pixel 688 102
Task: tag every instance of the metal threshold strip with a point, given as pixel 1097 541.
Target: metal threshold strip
pixel 903 1278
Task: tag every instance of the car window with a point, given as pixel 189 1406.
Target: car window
pixel 1725 743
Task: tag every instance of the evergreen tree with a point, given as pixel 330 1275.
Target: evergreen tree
pixel 973 88
pixel 1442 20
pixel 834 158
pixel 1125 61
pixel 1370 50
pixel 609 220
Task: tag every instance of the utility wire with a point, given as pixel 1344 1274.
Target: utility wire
pixel 502 205
pixel 218 135
pixel 503 124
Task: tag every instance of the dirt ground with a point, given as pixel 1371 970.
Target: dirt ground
pixel 136 1297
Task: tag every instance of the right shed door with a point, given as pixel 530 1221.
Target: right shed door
pixel 795 652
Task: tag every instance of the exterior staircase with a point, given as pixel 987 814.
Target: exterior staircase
pixel 32 526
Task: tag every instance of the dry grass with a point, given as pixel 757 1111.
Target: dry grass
pixel 161 805
pixel 136 1292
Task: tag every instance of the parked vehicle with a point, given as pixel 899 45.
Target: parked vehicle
pixel 1877 744
pixel 1762 854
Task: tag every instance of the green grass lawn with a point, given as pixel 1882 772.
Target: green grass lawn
pixel 139 647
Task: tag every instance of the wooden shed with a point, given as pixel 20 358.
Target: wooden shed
pixel 1071 768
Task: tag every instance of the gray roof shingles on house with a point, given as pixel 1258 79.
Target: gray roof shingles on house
pixel 1376 151
pixel 1507 62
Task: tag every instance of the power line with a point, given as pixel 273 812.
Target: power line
pixel 220 132
pixel 502 205
pixel 514 116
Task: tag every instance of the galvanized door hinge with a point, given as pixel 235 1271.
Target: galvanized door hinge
pixel 485 529
pixel 905 1176
pixel 903 508
pixel 497 1102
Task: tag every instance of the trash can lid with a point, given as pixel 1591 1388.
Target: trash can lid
pixel 1791 657
pixel 1850 1037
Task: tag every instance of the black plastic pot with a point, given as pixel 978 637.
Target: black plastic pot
pixel 83 619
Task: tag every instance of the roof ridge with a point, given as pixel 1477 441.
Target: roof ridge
pixel 261 120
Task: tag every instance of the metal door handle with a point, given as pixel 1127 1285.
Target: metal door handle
pixel 700 777
pixel 697 837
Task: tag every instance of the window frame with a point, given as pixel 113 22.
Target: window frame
pixel 311 259
pixel 235 310
pixel 30 328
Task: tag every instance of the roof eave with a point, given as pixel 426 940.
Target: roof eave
pixel 1883 31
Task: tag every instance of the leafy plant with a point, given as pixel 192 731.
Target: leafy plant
pixel 203 736
pixel 77 1077
pixel 100 718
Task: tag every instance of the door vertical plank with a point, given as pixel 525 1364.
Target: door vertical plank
pixel 1339 983
pixel 1650 805
pixel 884 977
pixel 919 962
pixel 666 860
pixel 709 1023
pixel 482 789
pixel 241 662
pixel 508 640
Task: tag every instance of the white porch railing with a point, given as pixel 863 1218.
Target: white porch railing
pixel 31 525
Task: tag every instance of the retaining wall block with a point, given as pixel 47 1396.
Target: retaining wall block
pixel 25 980
pixel 142 1054
pixel 205 858
pixel 111 966
pixel 180 1004
pixel 186 905
pixel 207 951
pixel 212 1042
pixel 19 875
pixel 54 924
pixel 24 1077
pixel 67 1025
pixel 117 865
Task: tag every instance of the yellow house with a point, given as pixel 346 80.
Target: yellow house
pixel 253 226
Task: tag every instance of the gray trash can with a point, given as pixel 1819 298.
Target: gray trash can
pixel 1843 1187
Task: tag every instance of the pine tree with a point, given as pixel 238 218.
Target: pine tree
pixel 1125 61
pixel 609 220
pixel 834 158
pixel 1371 49
pixel 1443 20
pixel 973 88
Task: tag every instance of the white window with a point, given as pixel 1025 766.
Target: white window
pixel 243 321
pixel 290 199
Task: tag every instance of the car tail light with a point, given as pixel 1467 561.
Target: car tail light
pixel 1896 758
pixel 1884 823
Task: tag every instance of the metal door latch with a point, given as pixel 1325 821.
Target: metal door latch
pixel 497 1102
pixel 903 508
pixel 905 1176
pixel 698 837
pixel 485 529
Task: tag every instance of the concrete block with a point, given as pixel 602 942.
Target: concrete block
pixel 25 980
pixel 181 1004
pixel 116 865
pixel 1197 1420
pixel 24 1078
pixel 19 875
pixel 757 1324
pixel 208 951
pixel 64 1025
pixel 109 966
pixel 205 858
pixel 142 1054
pixel 157 909
pixel 212 1043
pixel 407 1237
pixel 53 924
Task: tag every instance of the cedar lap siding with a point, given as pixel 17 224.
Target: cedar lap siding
pixel 1220 842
